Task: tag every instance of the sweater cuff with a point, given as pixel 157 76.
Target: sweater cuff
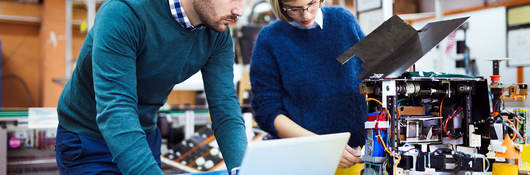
pixel 271 118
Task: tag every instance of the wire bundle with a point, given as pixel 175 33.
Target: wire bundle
pixel 395 155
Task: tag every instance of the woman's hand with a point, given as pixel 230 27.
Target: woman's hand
pixel 349 158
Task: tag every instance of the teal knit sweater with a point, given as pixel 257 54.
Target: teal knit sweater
pixel 131 59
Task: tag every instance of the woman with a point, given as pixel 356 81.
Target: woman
pixel 298 87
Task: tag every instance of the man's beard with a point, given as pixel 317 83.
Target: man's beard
pixel 210 20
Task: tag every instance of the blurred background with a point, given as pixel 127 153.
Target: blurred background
pixel 40 41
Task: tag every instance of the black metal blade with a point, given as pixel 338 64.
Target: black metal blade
pixel 394 46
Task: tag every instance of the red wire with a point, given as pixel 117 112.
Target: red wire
pixel 445 130
pixel 377 123
pixel 447 121
pixel 436 132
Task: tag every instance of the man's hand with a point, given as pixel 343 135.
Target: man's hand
pixel 349 158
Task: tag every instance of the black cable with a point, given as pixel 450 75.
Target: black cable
pixel 29 97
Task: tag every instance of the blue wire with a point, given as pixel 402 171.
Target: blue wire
pixel 374 164
pixel 514 130
pixel 467 65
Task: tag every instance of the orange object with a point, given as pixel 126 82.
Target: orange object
pixel 511 123
pixel 511 152
pixel 520 74
pixel 411 110
pixel 517 91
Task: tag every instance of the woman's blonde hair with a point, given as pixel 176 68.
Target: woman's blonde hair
pixel 279 12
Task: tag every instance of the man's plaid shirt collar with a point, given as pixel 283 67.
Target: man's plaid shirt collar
pixel 178 13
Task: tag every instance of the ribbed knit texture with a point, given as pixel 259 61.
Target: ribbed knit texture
pixel 131 59
pixel 295 72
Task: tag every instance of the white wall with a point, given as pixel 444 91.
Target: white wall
pixel 370 20
pixel 448 5
pixel 428 5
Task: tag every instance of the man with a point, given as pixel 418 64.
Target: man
pixel 131 59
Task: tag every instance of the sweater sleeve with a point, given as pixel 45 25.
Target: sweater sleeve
pixel 266 85
pixel 357 29
pixel 227 123
pixel 116 36
pixel 359 34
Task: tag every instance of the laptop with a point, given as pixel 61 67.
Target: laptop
pixel 312 155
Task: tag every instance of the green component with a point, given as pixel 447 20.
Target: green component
pixel 521 114
pixel 13 113
pixel 435 74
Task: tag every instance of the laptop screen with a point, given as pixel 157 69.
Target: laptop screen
pixel 312 155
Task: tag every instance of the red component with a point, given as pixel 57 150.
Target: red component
pixel 495 78
pixel 372 116
pixel 377 116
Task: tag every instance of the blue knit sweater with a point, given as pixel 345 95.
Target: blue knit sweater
pixel 295 72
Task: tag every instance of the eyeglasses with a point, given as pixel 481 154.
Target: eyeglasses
pixel 300 10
